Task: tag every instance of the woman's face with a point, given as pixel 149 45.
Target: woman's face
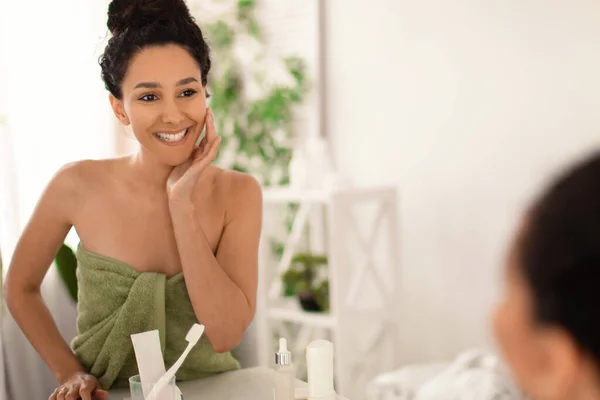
pixel 164 102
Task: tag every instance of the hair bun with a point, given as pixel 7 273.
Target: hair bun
pixel 123 14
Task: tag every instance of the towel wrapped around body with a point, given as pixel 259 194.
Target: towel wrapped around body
pixel 116 301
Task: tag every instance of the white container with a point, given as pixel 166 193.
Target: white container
pixel 285 377
pixel 319 366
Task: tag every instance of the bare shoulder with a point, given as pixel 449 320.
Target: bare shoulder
pixel 234 186
pixel 75 181
pixel 69 178
pixel 81 175
pixel 236 191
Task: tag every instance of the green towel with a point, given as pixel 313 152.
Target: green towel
pixel 116 301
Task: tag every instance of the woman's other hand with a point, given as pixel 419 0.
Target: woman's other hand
pixel 80 386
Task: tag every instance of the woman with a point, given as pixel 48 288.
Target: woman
pixel 166 239
pixel 548 324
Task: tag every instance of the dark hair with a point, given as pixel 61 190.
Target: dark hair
pixel 137 24
pixel 559 254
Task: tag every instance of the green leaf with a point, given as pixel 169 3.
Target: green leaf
pixel 254 29
pixel 237 167
pixel 245 10
pixel 285 180
pixel 308 259
pixel 220 35
pixel 66 263
pixel 322 295
pixel 246 4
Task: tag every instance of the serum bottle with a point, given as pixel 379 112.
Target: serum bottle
pixel 285 376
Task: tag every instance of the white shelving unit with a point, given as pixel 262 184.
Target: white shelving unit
pixel 363 269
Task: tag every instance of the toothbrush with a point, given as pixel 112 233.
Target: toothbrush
pixel 194 334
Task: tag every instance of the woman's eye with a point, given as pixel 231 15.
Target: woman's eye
pixel 188 93
pixel 148 97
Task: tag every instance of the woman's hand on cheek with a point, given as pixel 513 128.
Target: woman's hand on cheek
pixel 183 178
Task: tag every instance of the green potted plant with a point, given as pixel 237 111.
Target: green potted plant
pixel 254 95
pixel 302 280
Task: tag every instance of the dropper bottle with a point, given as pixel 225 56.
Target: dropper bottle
pixel 285 377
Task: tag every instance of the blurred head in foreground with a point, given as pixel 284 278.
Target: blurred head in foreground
pixel 548 323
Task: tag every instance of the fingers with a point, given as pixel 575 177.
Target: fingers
pixel 62 393
pixel 201 152
pixel 100 394
pixel 79 388
pixel 203 142
pixel 54 395
pixel 213 139
pixel 87 387
pixel 210 139
pixel 211 132
pixel 198 154
pixel 203 161
pixel 200 149
pixel 208 147
pixel 73 394
pixel 208 154
pixel 214 148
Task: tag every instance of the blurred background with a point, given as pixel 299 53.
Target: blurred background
pixel 398 143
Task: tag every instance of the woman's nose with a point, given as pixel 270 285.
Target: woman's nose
pixel 171 114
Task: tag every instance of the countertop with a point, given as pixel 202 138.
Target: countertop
pixel 244 384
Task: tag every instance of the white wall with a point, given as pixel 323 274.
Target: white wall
pixel 466 106
pixel 57 107
pixel 57 111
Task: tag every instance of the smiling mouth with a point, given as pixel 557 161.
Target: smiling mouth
pixel 172 137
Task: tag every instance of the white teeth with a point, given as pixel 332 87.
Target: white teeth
pixel 171 137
